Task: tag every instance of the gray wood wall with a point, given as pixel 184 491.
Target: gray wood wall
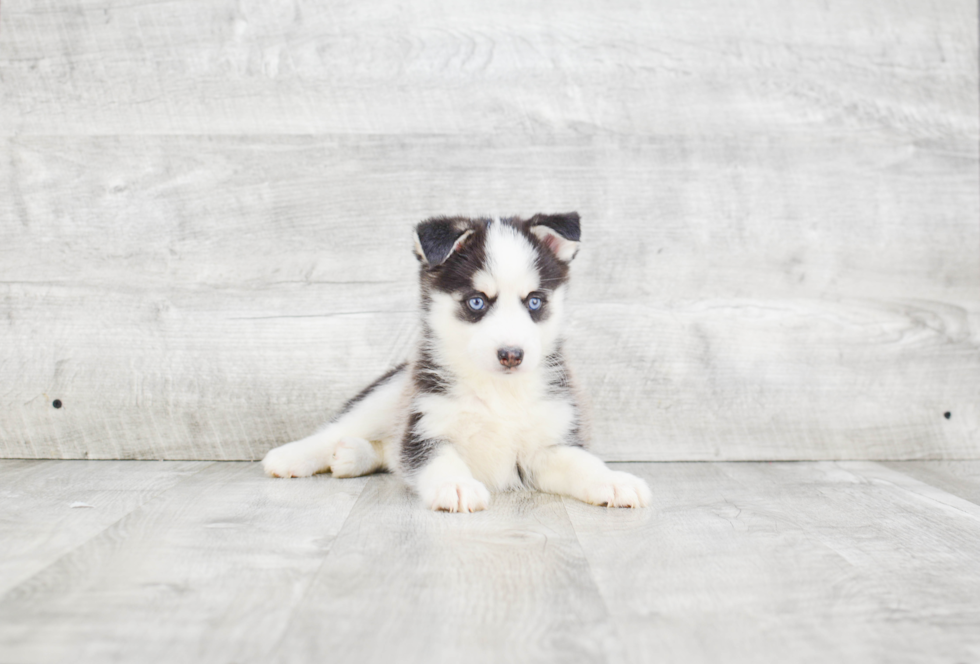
pixel 205 213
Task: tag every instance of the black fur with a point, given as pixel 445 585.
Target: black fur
pixel 429 376
pixel 553 272
pixel 470 316
pixel 437 237
pixel 560 385
pixel 520 475
pixel 568 225
pixel 574 438
pixel 416 450
pixel 455 274
pixel 449 271
pixel 360 396
pixel 538 315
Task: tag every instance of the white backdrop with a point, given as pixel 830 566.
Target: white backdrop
pixel 205 214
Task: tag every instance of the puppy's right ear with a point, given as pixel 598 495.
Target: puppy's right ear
pixel 436 239
pixel 559 232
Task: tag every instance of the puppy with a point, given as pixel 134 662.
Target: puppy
pixel 487 402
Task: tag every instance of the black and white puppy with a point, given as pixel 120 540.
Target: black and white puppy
pixel 487 402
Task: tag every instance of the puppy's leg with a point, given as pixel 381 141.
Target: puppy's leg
pixel 369 417
pixel 354 457
pixel 571 471
pixel 446 484
pixel 301 458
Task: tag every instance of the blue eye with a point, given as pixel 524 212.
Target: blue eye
pixel 534 303
pixel 476 303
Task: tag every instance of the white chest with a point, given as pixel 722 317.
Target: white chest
pixel 495 430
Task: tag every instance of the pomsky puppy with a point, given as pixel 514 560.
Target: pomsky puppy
pixel 487 402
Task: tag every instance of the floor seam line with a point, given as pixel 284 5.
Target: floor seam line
pixel 154 497
pixel 595 581
pixel 968 509
pixel 316 572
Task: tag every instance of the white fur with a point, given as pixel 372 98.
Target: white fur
pixel 354 457
pixel 492 419
pixel 496 425
pixel 369 420
pixel 564 249
pixel 510 277
pixel 447 484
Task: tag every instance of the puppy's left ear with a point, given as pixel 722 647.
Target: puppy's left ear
pixel 436 239
pixel 559 232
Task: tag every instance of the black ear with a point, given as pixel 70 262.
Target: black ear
pixel 436 239
pixel 559 232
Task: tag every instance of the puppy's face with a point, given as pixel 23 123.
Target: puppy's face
pixel 493 290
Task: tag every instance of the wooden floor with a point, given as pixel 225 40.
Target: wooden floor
pixel 145 561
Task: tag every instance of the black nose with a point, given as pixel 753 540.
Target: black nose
pixel 510 357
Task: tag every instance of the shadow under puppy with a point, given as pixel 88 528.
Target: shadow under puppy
pixel 487 401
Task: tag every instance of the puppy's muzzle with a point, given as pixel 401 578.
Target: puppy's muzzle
pixel 510 357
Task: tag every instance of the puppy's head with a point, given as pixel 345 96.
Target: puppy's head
pixel 493 290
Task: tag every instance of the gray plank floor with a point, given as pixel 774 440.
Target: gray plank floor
pixel 749 562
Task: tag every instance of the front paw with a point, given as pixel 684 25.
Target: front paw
pixel 353 457
pixel 462 495
pixel 290 460
pixel 619 490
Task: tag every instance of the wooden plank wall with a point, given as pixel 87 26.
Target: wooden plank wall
pixel 205 212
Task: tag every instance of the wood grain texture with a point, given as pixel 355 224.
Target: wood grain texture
pixel 204 249
pixel 664 218
pixel 735 562
pixel 294 66
pixel 179 377
pixel 211 571
pixel 508 584
pixel 47 509
pixel 960 478
pixel 174 320
pixel 844 562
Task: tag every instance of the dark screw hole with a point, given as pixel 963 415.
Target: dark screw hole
pixel 56 403
pixel 947 414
